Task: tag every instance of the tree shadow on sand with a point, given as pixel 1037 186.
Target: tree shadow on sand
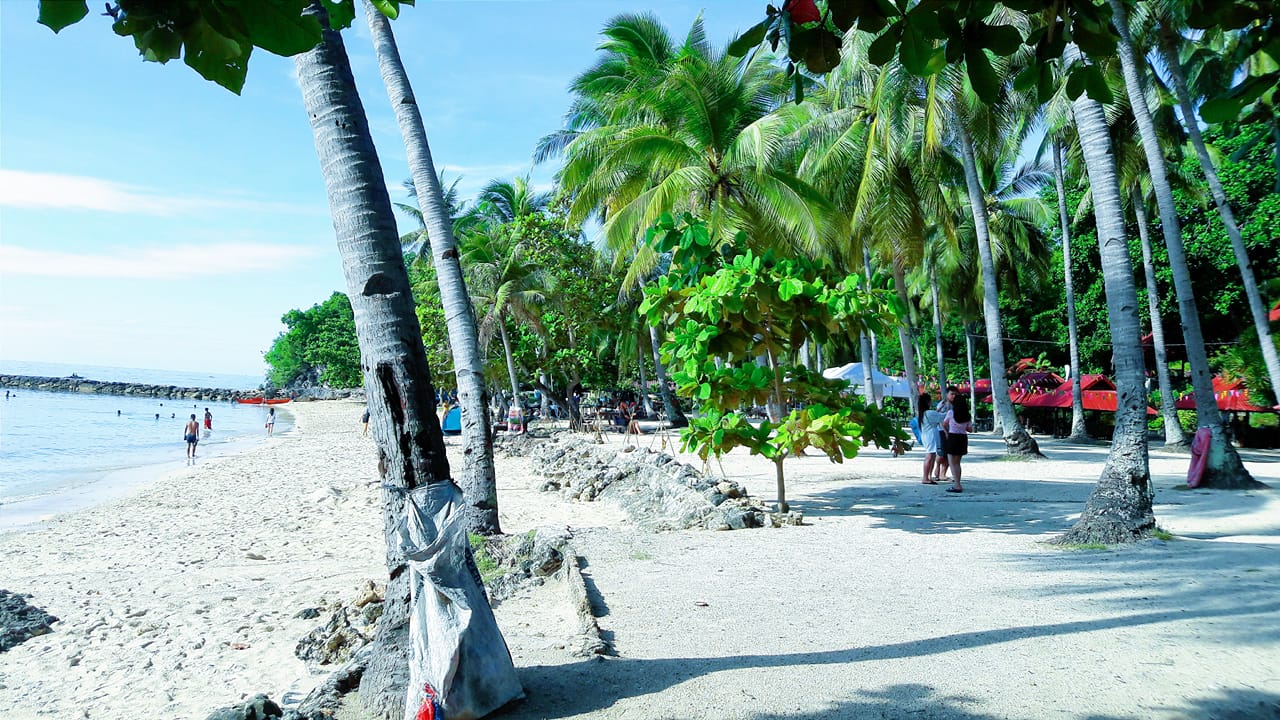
pixel 1008 506
pixel 569 689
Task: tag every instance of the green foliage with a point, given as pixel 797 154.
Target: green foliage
pixel 721 301
pixel 486 565
pixel 214 37
pixel 322 339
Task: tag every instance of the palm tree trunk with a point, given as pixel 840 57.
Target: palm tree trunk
pixel 478 481
pixel 1077 399
pixel 1174 439
pixel 868 361
pixel 1119 508
pixel 937 333
pixel 1256 306
pixel 675 416
pixel 904 328
pixel 644 380
pixel 1016 440
pixel 397 380
pixel 511 364
pixel 875 348
pixel 968 356
pixel 1223 469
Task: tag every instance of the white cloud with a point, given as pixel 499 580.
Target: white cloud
pixel 40 191
pixel 177 261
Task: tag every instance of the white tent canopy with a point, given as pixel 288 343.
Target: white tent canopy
pixel 885 385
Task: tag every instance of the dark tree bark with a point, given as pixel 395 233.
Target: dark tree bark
pixel 478 481
pixel 397 380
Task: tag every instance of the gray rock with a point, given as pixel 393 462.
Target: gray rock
pixel 258 707
pixel 308 613
pixel 19 621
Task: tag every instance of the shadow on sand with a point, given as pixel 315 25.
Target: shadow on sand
pixel 587 686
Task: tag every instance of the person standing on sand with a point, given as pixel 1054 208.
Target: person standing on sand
pixel 944 407
pixel 930 421
pixel 271 421
pixel 192 436
pixel 957 424
pixel 208 419
pixel 365 420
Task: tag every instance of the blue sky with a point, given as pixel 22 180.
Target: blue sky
pixel 151 219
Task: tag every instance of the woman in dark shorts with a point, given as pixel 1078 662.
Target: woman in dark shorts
pixel 957 425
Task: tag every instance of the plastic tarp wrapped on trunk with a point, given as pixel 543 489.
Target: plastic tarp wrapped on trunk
pixel 459 656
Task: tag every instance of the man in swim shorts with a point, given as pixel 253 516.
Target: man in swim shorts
pixel 192 435
pixel 208 419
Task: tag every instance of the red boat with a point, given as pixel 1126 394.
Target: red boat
pixel 262 401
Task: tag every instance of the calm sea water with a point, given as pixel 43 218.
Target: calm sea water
pixel 63 451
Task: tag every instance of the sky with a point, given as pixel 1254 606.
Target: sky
pixel 152 219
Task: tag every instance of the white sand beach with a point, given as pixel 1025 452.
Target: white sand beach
pixel 894 600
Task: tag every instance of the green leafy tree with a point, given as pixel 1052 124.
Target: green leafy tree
pixel 722 300
pixel 321 340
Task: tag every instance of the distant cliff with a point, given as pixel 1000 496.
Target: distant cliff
pixel 100 387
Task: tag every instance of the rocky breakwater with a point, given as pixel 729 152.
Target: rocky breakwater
pixel 657 491
pixel 102 387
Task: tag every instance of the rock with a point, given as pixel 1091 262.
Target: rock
pixel 258 707
pixel 254 556
pixel 308 613
pixel 20 621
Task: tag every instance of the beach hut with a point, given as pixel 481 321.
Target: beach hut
pixel 1232 396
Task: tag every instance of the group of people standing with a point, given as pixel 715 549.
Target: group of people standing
pixel 944 431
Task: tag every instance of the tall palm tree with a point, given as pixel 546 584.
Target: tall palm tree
pixel 1077 396
pixel 693 130
pixel 1120 507
pixel 397 379
pixel 507 285
pixel 478 481
pixel 1169 41
pixel 418 240
pixel 1224 468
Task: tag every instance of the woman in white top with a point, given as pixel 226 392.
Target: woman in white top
pixel 929 420
pixel 957 425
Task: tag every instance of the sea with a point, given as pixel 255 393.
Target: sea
pixel 62 451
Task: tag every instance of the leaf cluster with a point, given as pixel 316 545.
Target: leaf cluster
pixel 724 306
pixel 320 340
pixel 214 37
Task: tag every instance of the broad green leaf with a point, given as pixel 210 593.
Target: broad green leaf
pixel 57 14
pixel 1075 82
pixel 749 39
pixel 280 28
pixel 217 58
pixel 881 51
pixel 341 13
pixel 981 75
pixel 1096 85
pixel 1220 110
pixel 390 8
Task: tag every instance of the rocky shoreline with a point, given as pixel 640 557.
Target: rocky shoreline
pixel 101 387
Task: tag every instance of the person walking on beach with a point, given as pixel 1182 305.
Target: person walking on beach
pixel 365 419
pixel 944 407
pixel 930 421
pixel 208 419
pixel 192 436
pixel 271 421
pixel 957 424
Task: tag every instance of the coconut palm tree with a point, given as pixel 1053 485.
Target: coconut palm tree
pixel 397 379
pixel 478 480
pixel 1120 507
pixel 1224 468
pixel 692 130
pixel 1170 40
pixel 507 285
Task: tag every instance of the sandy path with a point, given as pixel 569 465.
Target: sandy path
pixel 902 601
